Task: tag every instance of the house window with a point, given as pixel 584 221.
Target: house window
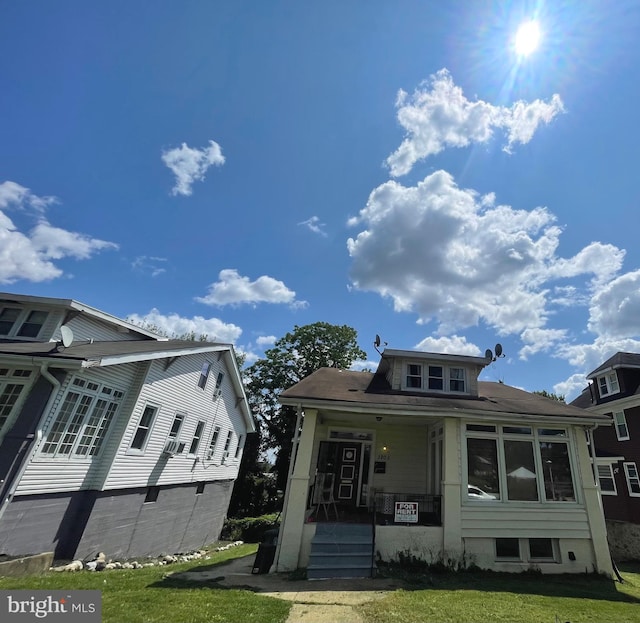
pixel 214 441
pixel 456 380
pixel 608 384
pixel 414 375
pixel 217 392
pixel 633 480
pixel 144 427
pixel 8 317
pixel 83 419
pixel 176 426
pixel 195 442
pixel 227 443
pixel 239 446
pixel 606 479
pixel 508 549
pixel 32 325
pixel 620 423
pixel 518 463
pixel 541 550
pixel 204 374
pixel 12 381
pixel 436 378
pixel 200 488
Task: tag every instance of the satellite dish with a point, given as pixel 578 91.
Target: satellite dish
pixel 498 350
pixel 67 335
pixel 376 342
pixel 488 354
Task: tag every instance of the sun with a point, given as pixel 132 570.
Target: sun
pixel 527 38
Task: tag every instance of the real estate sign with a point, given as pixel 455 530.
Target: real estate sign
pixel 406 512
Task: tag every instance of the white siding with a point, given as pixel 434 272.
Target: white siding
pixel 68 474
pixel 176 390
pixel 87 328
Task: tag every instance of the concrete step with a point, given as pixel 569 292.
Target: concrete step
pixel 338 547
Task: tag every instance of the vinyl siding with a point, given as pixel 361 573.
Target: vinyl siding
pixel 87 328
pixel 176 390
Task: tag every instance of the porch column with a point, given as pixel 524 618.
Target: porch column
pixel 451 515
pixel 293 522
pixel 593 505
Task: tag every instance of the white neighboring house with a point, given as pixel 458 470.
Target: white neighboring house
pixel 112 438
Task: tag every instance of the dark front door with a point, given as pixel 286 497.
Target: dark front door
pixel 342 459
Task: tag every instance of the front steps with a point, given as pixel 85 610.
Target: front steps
pixel 341 550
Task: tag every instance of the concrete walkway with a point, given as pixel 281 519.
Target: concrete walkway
pixel 314 601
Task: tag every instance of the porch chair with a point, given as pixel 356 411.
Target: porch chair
pixel 323 494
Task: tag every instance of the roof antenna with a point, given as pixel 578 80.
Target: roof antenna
pixel 376 344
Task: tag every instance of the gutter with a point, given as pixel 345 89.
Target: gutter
pixel 34 440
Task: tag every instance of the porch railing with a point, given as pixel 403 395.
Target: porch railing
pixel 425 510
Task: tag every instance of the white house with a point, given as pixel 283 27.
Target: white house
pixel 112 438
pixel 421 458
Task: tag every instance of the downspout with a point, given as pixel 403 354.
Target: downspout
pixel 285 503
pixel 44 371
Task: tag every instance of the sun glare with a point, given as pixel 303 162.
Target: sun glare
pixel 527 38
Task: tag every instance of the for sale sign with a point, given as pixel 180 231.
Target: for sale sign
pixel 406 512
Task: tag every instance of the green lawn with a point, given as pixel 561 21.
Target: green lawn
pixel 498 598
pixel 149 595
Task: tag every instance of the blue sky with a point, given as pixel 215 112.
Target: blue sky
pixel 238 168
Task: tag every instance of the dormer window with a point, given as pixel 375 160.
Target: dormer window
pixel 435 378
pixel 14 322
pixel 608 384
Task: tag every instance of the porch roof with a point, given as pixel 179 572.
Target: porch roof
pixel 346 390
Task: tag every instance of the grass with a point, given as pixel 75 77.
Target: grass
pixel 506 598
pixel 150 595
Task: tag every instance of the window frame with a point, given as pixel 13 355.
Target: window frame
pixel 627 466
pixel 79 423
pixel 204 374
pixel 239 446
pixel 424 377
pixel 145 440
pixel 617 425
pixel 609 382
pixel 13 377
pixel 609 476
pixel 22 320
pixel 197 438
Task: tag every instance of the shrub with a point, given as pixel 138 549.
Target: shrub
pixel 249 529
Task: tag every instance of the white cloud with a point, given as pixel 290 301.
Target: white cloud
pixel 173 324
pixel 150 265
pixel 190 164
pixel 538 340
pixel 438 115
pixel 454 344
pixel 29 255
pixel 361 365
pixel 446 254
pixel 13 195
pixel 314 225
pixel 615 307
pixel 571 387
pixel 266 340
pixel 234 289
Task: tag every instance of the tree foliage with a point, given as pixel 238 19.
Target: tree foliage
pixel 550 395
pixel 293 357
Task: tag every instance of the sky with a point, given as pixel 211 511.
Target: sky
pixel 239 168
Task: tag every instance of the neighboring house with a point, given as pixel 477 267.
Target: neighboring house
pixel 614 390
pixel 422 459
pixel 112 438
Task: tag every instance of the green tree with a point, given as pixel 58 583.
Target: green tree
pixel 292 358
pixel 551 396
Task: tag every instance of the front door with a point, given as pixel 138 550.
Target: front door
pixel 342 459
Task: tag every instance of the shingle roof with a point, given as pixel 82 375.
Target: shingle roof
pixel 619 360
pixel 329 385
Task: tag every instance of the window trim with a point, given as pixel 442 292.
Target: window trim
pixel 196 438
pixel 611 476
pixel 422 379
pixel 149 428
pixel 624 424
pixel 24 314
pixel 611 384
pixel 22 380
pixel 213 442
pixel 204 374
pixel 629 478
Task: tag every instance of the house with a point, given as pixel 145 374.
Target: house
pixel 614 391
pixel 422 459
pixel 112 438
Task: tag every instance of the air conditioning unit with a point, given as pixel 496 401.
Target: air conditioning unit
pixel 171 447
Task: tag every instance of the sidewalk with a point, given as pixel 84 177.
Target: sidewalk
pixel 314 601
